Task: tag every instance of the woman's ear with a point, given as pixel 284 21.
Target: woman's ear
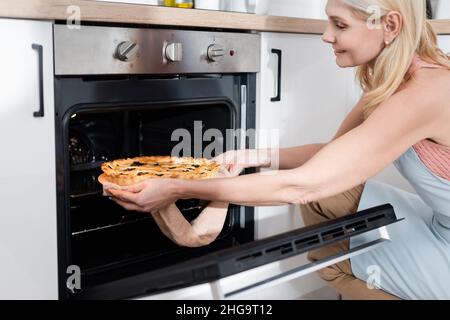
pixel 393 23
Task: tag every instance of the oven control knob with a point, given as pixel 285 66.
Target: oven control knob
pixel 215 52
pixel 174 52
pixel 126 51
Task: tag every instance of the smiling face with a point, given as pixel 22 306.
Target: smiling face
pixel 354 43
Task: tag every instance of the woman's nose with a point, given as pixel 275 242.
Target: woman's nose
pixel 328 35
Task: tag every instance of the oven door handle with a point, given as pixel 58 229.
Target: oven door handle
pixel 39 49
pixel 301 271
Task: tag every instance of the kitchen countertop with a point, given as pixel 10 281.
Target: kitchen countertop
pixel 94 11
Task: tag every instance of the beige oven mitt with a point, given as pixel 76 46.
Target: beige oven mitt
pixel 200 232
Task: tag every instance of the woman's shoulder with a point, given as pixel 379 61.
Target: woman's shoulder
pixel 428 78
pixel 431 85
pixel 430 89
pixel 425 96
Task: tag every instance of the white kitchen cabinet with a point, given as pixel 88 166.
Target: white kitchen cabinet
pixel 311 9
pixel 28 246
pixel 441 9
pixel 444 43
pixel 316 95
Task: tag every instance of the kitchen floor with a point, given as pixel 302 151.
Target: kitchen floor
pixel 326 293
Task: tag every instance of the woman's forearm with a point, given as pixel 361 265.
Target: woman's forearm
pixel 319 177
pixel 260 189
pixel 291 158
pixel 276 159
pixel 264 189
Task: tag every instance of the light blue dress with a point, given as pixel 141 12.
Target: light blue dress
pixel 416 263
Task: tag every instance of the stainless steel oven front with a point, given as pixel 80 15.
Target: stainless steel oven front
pixel 123 92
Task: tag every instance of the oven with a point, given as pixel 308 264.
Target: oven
pixel 126 92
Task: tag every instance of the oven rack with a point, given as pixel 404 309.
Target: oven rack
pixel 131 218
pixel 87 166
pixel 114 225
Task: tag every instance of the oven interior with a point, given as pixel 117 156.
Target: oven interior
pixel 106 241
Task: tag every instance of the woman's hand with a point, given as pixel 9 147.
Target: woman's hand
pixel 151 195
pixel 236 161
pixel 148 196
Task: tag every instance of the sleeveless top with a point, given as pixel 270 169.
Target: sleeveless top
pixel 426 166
pixel 436 157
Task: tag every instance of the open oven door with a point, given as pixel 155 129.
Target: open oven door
pixel 250 257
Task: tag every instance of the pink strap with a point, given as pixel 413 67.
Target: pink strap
pixel 418 63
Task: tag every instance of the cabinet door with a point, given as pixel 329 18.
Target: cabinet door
pixel 316 95
pixel 28 247
pixel 444 43
pixel 295 8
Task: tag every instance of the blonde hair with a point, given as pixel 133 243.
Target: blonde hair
pixel 382 79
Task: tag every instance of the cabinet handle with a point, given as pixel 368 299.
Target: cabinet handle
pixel 40 112
pixel 278 52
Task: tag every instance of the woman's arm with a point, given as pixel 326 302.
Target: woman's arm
pixel 348 161
pixel 406 118
pixel 288 158
pixel 291 158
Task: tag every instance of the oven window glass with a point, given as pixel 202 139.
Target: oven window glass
pixel 103 235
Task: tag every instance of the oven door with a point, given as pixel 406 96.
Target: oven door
pixel 101 118
pixel 209 274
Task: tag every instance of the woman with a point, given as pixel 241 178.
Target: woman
pixel 402 117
